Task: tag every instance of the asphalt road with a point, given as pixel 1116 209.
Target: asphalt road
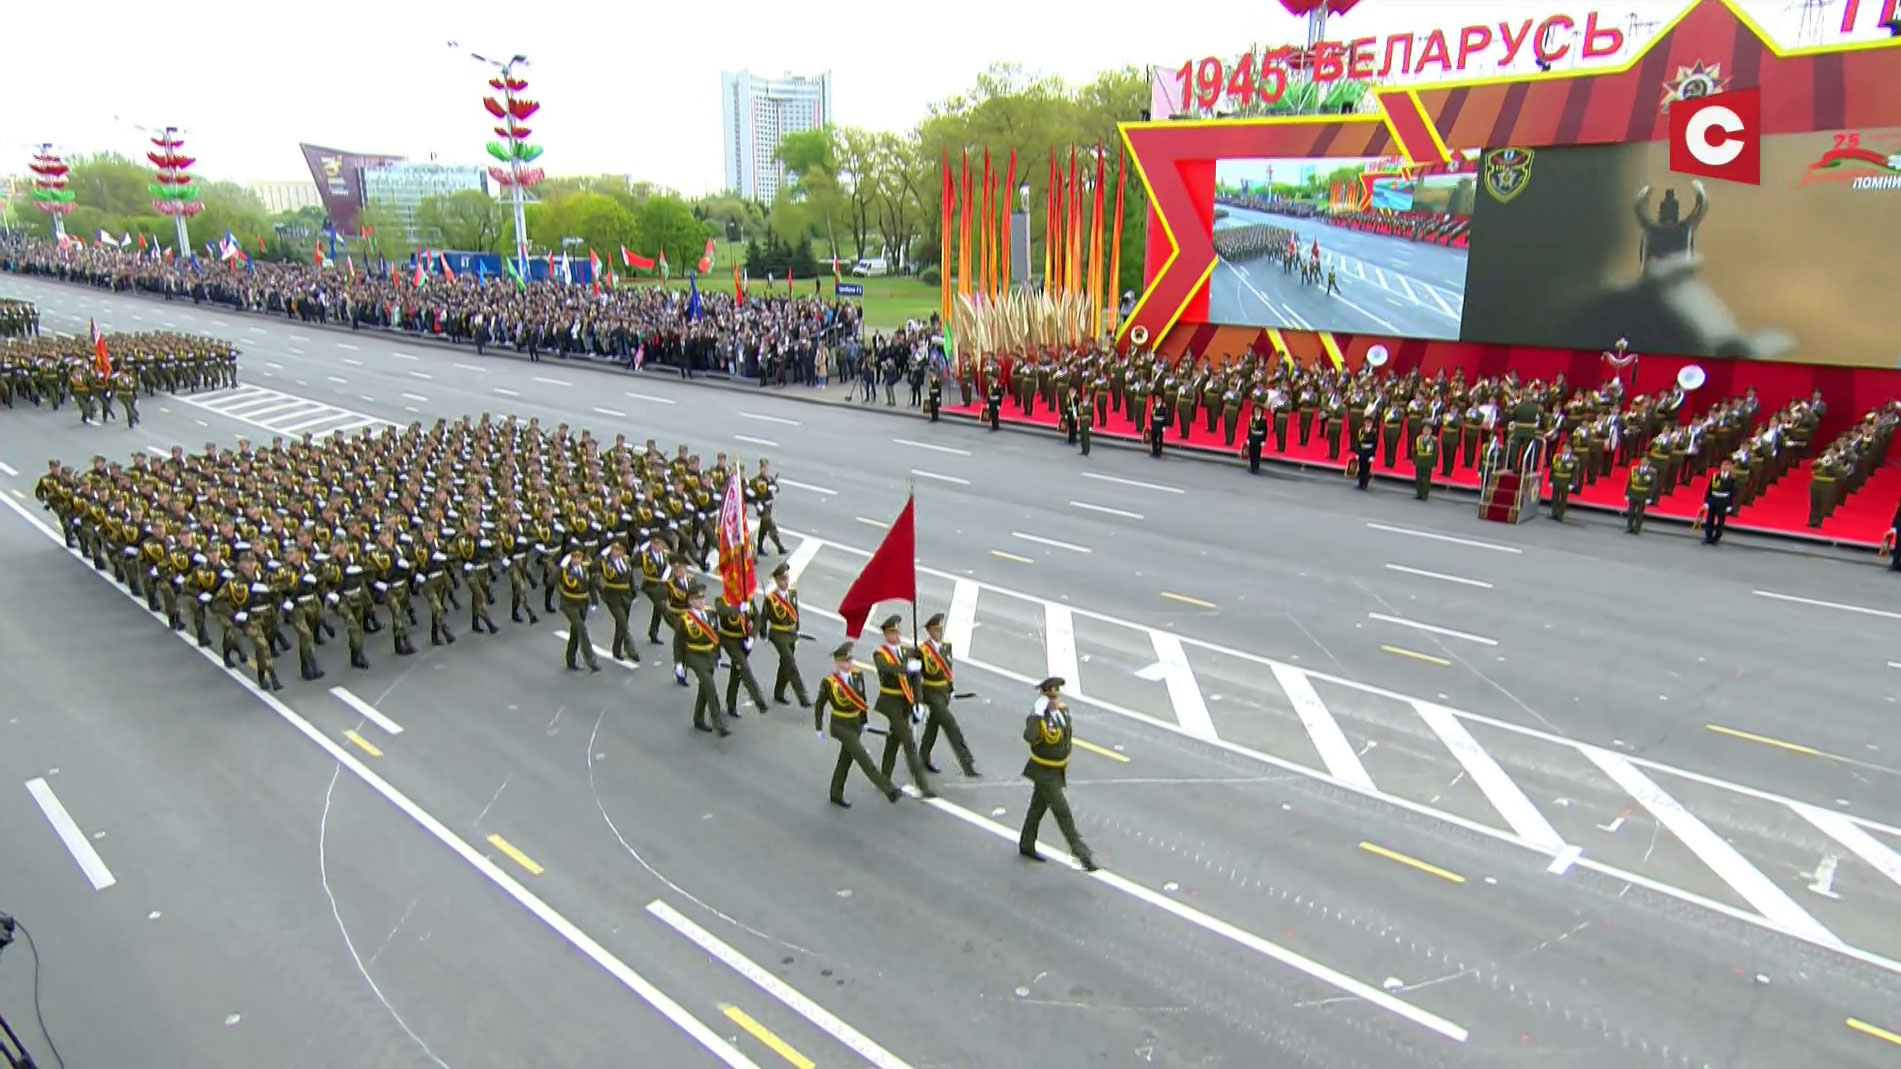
pixel 1386 285
pixel 1295 697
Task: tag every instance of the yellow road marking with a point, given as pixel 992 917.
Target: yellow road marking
pixel 363 744
pixel 1766 740
pixel 1873 1030
pixel 1426 657
pixel 764 1035
pixel 1186 600
pixel 1101 751
pixel 515 855
pixel 869 522
pixel 1412 862
pixel 19 495
pixel 1011 556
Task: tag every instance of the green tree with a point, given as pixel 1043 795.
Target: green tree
pixel 467 221
pixel 598 220
pixel 111 183
pixel 667 224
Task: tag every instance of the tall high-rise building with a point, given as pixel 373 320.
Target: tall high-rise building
pixel 756 114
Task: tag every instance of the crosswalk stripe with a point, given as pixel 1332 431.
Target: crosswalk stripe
pixel 1713 850
pixel 1850 834
pixel 1059 642
pixel 961 620
pixel 1500 789
pixel 1191 709
pixel 1335 751
pixel 314 421
pixel 801 556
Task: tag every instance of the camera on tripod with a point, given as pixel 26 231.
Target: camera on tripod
pixel 11 1048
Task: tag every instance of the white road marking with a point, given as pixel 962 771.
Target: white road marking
pixel 506 392
pixel 1876 853
pixel 1106 510
pixel 1184 694
pixel 346 345
pixel 1342 762
pixel 353 363
pixel 922 474
pixel 157 452
pixel 932 448
pixel 254 330
pixel 404 356
pixel 1059 643
pixel 651 397
pixel 1481 584
pixel 821 1018
pixel 298 337
pixel 552 382
pixel 1565 859
pixel 616 413
pixel 313 421
pixel 801 556
pixel 1712 849
pixel 68 831
pixel 767 443
pixel 9 470
pixel 294 351
pixel 366 710
pixel 1041 541
pixel 1233 933
pixel 471 367
pixel 808 486
pixel 414 397
pixel 772 419
pixel 1863 610
pixel 1499 788
pixel 338 379
pixel 1894 664
pixel 1435 536
pixel 273 364
pixel 960 621
pixel 569 932
pixel 412 409
pixel 1446 631
pixel 1134 482
pixel 420 375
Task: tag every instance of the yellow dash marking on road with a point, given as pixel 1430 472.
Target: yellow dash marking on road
pixel 869 522
pixel 515 855
pixel 1100 751
pixel 1417 656
pixel 764 1035
pixel 363 744
pixel 1748 736
pixel 1011 556
pixel 1186 600
pixel 19 495
pixel 1876 1031
pixel 1412 862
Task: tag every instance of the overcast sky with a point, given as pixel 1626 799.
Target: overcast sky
pixel 625 87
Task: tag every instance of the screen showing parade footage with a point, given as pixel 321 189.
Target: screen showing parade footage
pixel 1579 247
pixel 1361 246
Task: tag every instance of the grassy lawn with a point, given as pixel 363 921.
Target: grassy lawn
pixel 888 302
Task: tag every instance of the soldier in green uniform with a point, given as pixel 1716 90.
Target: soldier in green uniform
pixel 475 552
pixel 617 593
pixel 1823 477
pixel 1564 475
pixel 1638 493
pixel 843 692
pixel 1090 412
pixel 1425 458
pixel 1050 734
pixel 780 610
pixel 574 580
pixel 246 604
pixel 1719 499
pixel 1392 423
pixel 735 624
pixel 937 683
pixel 125 387
pixel 763 489
pixel 1257 439
pixel 512 547
pixel 898 666
pixel 392 579
pixel 1449 434
pixel 699 644
pixel 351 598
pixel 655 562
pixel 304 596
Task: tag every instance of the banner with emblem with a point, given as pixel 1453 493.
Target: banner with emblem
pixel 1506 172
pixel 736 569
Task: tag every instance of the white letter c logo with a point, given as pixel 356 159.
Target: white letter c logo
pixel 1714 153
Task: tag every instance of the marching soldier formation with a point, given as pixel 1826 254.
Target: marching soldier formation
pixel 47 372
pixel 18 319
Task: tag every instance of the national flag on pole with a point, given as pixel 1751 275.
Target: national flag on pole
pixel 706 258
pixel 736 568
pixel 890 574
pixel 102 358
pixel 349 265
pixel 141 241
pixel 836 277
pixel 513 271
pixel 168 256
pixel 104 238
pixel 447 271
pixel 788 278
pixel 319 257
pixel 261 250
pixel 665 271
pixel 594 271
pixel 421 273
pixel 638 263
pixel 694 307
pixel 739 286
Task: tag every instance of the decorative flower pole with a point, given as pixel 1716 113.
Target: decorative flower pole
pixel 173 194
pixel 513 150
pixel 50 194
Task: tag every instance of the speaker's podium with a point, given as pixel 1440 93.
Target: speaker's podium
pixel 1507 495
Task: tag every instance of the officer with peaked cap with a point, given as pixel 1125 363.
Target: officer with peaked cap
pixel 897 666
pixel 843 692
pixel 1051 734
pixel 936 683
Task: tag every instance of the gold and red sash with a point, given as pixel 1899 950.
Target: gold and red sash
pixel 842 689
pixel 936 661
pixel 700 628
pixel 903 677
pixel 786 610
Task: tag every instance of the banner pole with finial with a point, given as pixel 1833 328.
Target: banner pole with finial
pixel 910 487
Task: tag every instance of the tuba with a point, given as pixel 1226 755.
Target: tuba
pixel 1139 335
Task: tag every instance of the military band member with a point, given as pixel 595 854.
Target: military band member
pixel 934 399
pixel 1090 415
pixel 1425 458
pixel 574 579
pixel 1159 417
pixel 1638 493
pixel 1365 449
pixel 937 684
pixel 1719 499
pixel 1050 734
pixel 735 623
pixel 780 610
pixel 1564 475
pixel 897 666
pixel 699 646
pixel 1257 438
pixel 617 593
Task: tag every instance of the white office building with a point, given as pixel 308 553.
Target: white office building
pixel 400 188
pixel 756 113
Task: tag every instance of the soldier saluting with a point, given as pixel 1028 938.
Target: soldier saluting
pixel 843 692
pixel 1051 734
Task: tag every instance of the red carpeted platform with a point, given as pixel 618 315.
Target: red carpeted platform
pixel 1782 508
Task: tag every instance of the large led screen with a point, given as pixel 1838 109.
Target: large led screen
pixel 1578 247
pixel 1362 246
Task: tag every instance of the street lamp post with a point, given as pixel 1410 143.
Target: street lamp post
pixel 510 110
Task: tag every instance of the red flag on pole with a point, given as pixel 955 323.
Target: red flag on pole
pixel 890 574
pixel 102 359
pixel 736 570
